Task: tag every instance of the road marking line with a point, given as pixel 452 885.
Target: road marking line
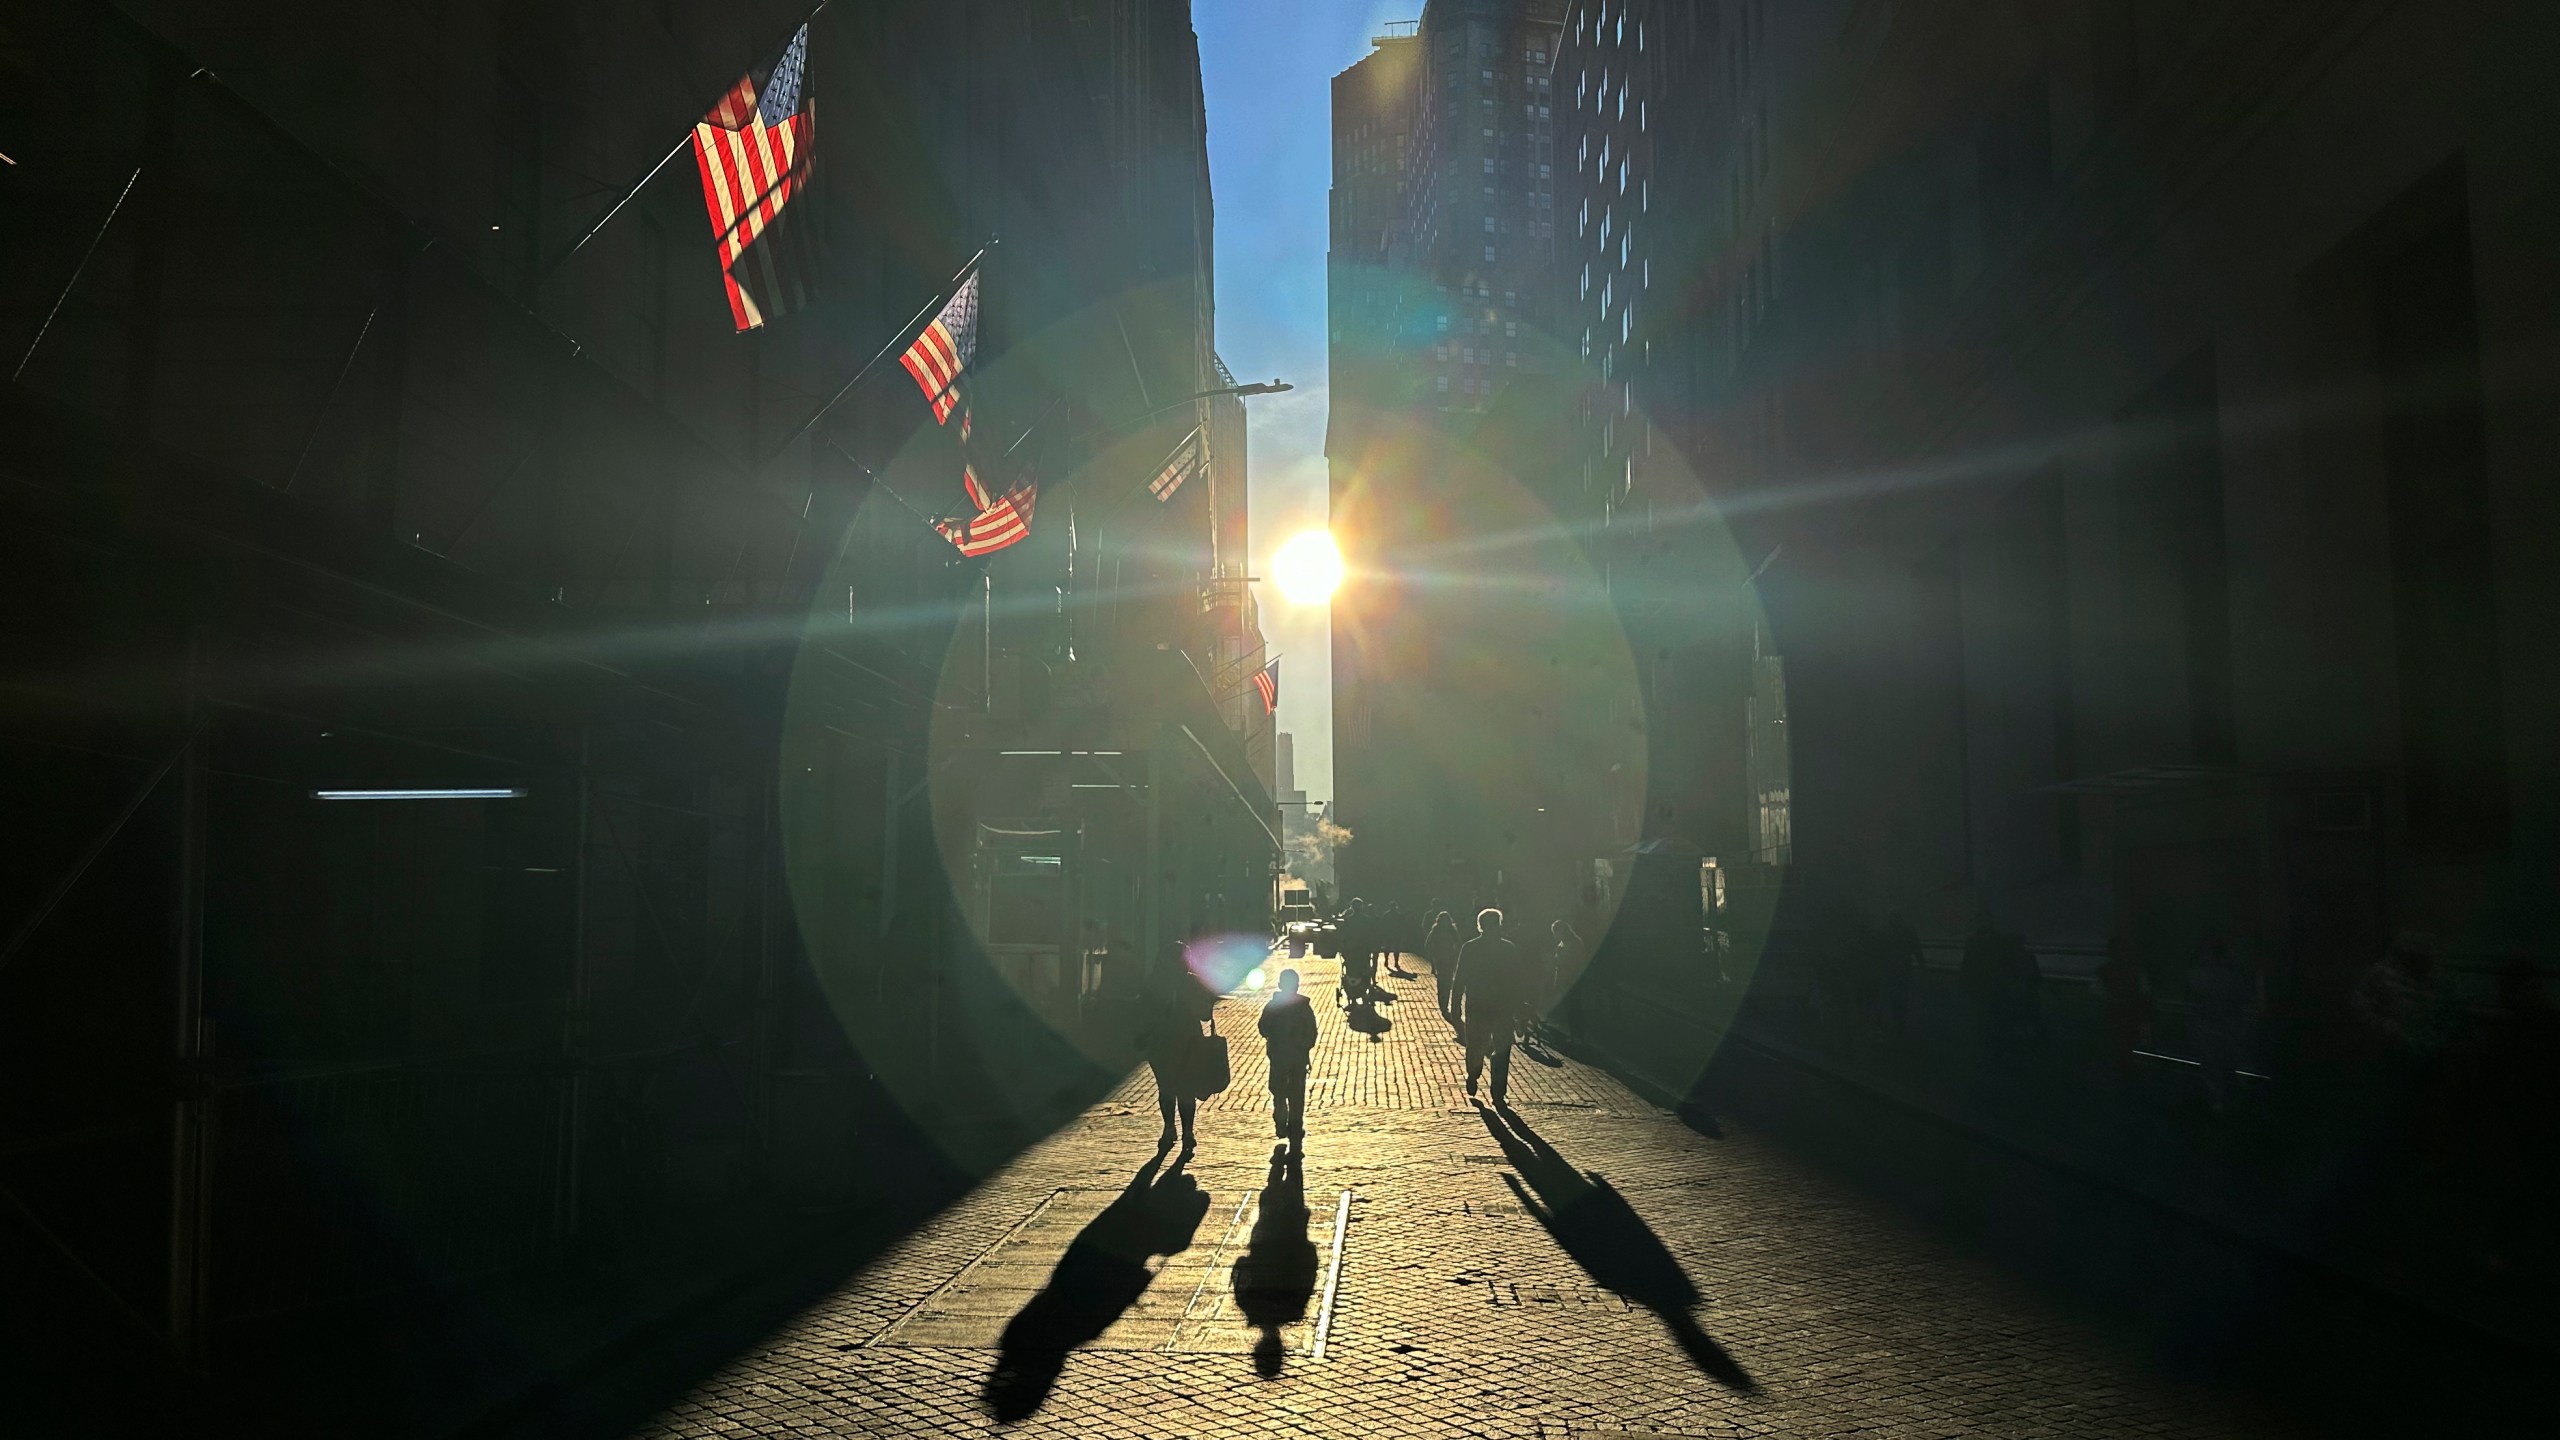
pixel 1225 1238
pixel 1333 1275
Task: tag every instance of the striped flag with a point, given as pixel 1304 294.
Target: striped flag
pixel 753 150
pixel 1005 521
pixel 944 350
pixel 1177 467
pixel 1266 683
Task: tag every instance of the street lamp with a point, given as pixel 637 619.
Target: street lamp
pixel 1259 387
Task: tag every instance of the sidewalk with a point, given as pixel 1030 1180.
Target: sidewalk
pixel 2277 1170
pixel 1591 1266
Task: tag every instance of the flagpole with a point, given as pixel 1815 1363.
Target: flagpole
pixel 628 196
pixel 632 192
pixel 76 272
pixel 896 341
pixel 879 483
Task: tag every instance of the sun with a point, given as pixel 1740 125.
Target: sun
pixel 1308 567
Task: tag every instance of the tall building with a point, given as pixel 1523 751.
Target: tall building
pixel 1441 447
pixel 1666 266
pixel 2049 385
pixel 336 464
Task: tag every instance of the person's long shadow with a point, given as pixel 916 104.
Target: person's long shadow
pixel 1102 1274
pixel 1277 1275
pixel 1610 1241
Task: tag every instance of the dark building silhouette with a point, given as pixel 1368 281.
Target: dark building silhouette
pixel 2116 417
pixel 1451 679
pixel 328 466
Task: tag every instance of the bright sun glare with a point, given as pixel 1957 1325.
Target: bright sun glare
pixel 1308 567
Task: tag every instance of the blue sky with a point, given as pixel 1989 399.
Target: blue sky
pixel 1268 67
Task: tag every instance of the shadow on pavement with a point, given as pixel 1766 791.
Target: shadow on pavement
pixel 1538 1052
pixel 1101 1275
pixel 1363 1018
pixel 1276 1278
pixel 1605 1236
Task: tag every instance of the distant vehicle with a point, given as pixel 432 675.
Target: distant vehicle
pixel 1297 907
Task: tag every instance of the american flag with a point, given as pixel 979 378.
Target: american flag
pixel 1177 467
pixel 1004 522
pixel 753 150
pixel 1266 682
pixel 944 350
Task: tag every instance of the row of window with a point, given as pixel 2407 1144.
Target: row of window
pixel 1596 30
pixel 1469 355
pixel 1467 384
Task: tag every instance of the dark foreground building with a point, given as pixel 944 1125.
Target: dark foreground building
pixel 2075 471
pixel 332 462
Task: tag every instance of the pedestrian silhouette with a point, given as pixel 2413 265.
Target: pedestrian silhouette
pixel 1489 1003
pixel 1277 1275
pixel 1102 1274
pixel 1594 1224
pixel 1169 1033
pixel 1440 951
pixel 1288 1026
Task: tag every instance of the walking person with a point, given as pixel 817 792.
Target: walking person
pixel 1440 950
pixel 1176 1006
pixel 1288 1027
pixel 1359 953
pixel 1396 940
pixel 1489 984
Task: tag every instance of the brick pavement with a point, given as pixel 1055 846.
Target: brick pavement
pixel 1597 1269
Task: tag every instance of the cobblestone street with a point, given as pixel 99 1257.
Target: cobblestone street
pixel 1595 1267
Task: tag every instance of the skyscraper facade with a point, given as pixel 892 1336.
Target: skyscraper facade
pixel 1445 387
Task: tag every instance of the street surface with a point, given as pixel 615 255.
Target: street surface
pixel 1594 1267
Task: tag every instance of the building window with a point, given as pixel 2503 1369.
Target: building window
pixel 1443 382
pixel 1488 164
pixel 1488 252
